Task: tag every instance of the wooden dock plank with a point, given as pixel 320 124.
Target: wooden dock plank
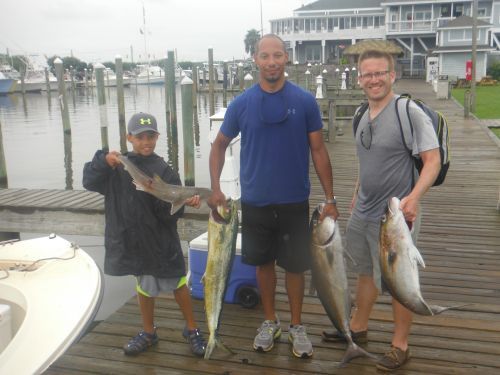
pixel 460 243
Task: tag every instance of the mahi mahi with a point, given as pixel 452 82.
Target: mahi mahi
pixel 174 194
pixel 399 259
pixel 328 270
pixel 222 233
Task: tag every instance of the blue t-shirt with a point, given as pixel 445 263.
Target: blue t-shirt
pixel 274 157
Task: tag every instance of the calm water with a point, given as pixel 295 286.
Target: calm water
pixel 33 138
pixel 34 149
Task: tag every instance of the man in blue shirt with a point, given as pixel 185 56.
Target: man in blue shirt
pixel 280 124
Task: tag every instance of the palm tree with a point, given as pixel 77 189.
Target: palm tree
pixel 250 39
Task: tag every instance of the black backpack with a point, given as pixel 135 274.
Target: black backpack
pixel 438 122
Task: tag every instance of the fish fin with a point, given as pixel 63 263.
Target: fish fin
pixel 176 206
pixel 202 280
pixel 415 254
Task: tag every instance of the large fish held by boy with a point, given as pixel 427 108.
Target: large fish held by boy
pixel 328 270
pixel 399 260
pixel 222 233
pixel 174 194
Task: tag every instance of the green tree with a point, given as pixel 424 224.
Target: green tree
pixel 494 71
pixel 250 39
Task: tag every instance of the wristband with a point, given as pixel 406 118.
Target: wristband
pixel 331 201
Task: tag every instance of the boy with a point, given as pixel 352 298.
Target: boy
pixel 141 236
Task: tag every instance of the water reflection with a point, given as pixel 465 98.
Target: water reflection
pixel 36 125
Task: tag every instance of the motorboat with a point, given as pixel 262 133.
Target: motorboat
pixel 110 79
pixel 50 290
pixel 7 85
pixel 149 75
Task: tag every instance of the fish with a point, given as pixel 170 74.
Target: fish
pixel 173 194
pixel 328 271
pixel 222 233
pixel 399 260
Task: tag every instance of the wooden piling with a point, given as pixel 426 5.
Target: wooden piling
pixel 170 77
pixel 23 73
pixel 187 130
pixel 101 100
pixel 211 81
pixel 47 80
pixel 248 81
pixel 241 77
pixel 63 102
pixel 224 85
pixel 121 104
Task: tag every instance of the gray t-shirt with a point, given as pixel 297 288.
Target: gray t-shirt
pixel 385 166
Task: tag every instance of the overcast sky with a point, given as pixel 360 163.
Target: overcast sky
pixel 98 30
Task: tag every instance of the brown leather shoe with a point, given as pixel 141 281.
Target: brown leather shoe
pixel 393 359
pixel 337 336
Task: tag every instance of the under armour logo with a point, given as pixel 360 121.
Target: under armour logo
pixel 145 121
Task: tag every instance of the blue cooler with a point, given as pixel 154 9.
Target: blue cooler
pixel 242 283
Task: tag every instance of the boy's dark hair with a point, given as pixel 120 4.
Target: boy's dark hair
pixel 375 54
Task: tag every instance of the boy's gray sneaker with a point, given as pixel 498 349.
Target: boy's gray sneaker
pixel 301 345
pixel 268 332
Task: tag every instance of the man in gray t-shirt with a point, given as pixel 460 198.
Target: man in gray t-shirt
pixel 385 171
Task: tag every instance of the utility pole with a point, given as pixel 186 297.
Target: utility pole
pixel 474 58
pixel 261 27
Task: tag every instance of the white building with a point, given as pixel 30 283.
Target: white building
pixel 319 31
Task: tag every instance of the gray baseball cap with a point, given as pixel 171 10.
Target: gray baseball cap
pixel 142 122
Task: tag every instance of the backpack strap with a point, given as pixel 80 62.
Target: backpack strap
pixel 407 110
pixel 357 117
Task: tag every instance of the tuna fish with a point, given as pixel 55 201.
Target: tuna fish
pixel 328 270
pixel 399 259
pixel 174 194
pixel 222 232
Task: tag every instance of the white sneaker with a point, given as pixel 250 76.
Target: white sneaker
pixel 301 345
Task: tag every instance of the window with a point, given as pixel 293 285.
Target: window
pixel 308 25
pixel 458 10
pixel 445 10
pixel 341 23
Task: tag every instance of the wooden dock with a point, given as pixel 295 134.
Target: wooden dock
pixel 460 243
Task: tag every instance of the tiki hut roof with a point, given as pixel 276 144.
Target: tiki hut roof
pixel 376 44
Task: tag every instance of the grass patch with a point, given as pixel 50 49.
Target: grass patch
pixel 487 101
pixel 496 131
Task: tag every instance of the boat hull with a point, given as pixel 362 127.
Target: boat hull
pixel 52 300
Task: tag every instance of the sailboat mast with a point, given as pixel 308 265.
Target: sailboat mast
pixel 144 33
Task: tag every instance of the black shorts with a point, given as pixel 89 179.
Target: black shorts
pixel 276 232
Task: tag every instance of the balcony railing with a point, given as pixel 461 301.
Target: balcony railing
pixel 419 26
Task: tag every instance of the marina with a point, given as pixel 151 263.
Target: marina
pixel 460 243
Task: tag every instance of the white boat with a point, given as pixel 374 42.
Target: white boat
pixel 7 85
pixel 50 291
pixel 34 81
pixel 204 75
pixel 149 75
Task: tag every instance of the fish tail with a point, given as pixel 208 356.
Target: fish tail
pixel 354 351
pixel 215 341
pixel 210 346
pixel 439 309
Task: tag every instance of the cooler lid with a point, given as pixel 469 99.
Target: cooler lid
pixel 201 242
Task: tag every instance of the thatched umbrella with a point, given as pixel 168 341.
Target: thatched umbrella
pixel 353 52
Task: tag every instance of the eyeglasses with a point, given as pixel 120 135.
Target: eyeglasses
pixel 377 75
pixel 366 137
pixel 276 111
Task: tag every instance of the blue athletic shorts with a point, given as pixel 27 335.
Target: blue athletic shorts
pixel 276 232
